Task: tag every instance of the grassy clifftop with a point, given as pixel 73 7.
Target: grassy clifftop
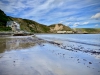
pixel 31 26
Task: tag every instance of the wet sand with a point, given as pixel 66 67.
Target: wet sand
pixel 27 55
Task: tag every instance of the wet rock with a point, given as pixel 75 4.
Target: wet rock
pixel 84 59
pixel 43 45
pixel 77 59
pixel 88 66
pixel 95 52
pixel 81 47
pixel 90 62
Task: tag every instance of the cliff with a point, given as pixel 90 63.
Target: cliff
pixel 59 27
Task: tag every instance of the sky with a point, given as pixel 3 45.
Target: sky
pixel 72 13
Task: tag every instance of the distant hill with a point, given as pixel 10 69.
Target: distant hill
pixel 87 30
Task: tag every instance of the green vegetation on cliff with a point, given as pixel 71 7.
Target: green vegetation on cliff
pixel 3 21
pixel 5 29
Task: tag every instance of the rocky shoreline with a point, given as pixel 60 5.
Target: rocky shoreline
pixel 15 33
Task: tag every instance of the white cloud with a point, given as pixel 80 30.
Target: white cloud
pixel 68 23
pixel 96 25
pixel 85 23
pixel 61 21
pixel 76 24
pixel 96 16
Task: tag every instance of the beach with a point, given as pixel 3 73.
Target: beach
pixel 50 54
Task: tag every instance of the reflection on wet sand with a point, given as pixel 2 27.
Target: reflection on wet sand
pixel 7 44
pixel 18 44
pixel 2 45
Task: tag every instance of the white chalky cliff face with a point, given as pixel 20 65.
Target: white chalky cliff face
pixel 14 25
